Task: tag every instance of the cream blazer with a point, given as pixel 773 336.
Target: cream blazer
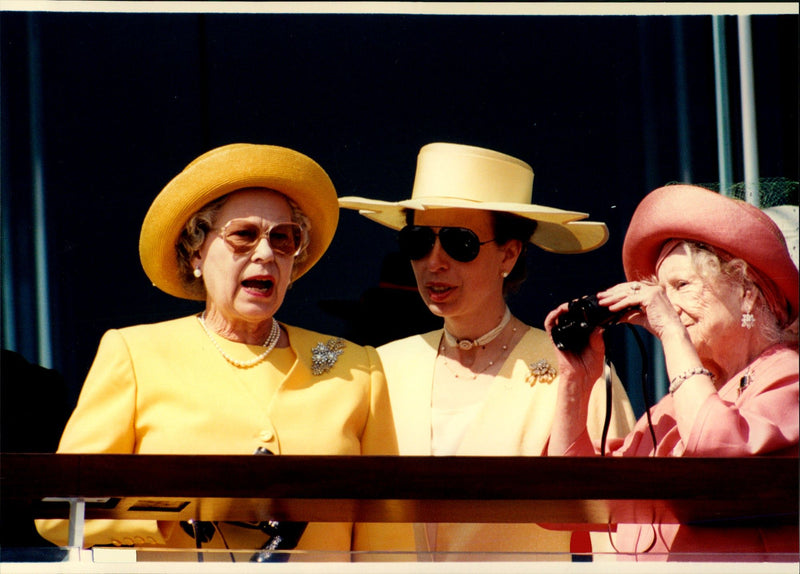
pixel 165 389
pixel 515 421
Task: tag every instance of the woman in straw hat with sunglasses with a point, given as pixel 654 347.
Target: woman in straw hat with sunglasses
pixel 234 229
pixel 484 384
pixel 712 278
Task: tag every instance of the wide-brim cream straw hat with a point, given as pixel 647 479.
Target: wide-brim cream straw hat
pixel 224 170
pixel 460 176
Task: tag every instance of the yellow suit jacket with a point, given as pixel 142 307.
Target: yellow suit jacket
pixel 165 389
pixel 514 421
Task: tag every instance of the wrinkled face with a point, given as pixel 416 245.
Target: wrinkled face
pixel 452 288
pixel 246 287
pixel 711 314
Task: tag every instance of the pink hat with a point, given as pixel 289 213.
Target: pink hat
pixel 734 226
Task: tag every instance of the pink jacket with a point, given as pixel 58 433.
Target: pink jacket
pixel 754 413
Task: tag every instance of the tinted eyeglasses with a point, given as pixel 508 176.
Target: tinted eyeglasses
pixel 460 243
pixel 243 236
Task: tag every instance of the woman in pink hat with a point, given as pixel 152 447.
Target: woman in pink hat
pixel 712 278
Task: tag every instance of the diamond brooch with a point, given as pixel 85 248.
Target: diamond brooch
pixel 541 372
pixel 325 355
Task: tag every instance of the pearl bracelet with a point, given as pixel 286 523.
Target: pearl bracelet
pixel 675 383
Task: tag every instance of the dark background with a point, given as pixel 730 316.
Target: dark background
pixel 604 108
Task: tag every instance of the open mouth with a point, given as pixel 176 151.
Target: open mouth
pixel 438 291
pixel 258 284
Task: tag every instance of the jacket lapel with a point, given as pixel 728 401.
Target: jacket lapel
pixel 410 391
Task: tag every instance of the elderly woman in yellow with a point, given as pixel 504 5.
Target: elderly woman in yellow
pixel 486 383
pixel 233 229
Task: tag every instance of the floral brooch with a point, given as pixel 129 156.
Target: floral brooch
pixel 325 355
pixel 541 372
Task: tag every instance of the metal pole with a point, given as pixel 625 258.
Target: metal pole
pixel 8 309
pixel 39 217
pixel 682 103
pixel 723 112
pixel 9 338
pixel 749 131
pixel 77 514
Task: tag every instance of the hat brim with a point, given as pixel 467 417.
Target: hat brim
pixel 557 230
pixel 225 170
pixel 697 214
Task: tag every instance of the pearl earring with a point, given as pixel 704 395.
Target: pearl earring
pixel 197 272
pixel 748 320
pixel 504 274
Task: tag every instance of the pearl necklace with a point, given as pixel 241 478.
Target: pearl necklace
pixel 484 339
pixel 474 375
pixel 272 340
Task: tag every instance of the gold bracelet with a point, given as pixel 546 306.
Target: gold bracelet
pixel 675 383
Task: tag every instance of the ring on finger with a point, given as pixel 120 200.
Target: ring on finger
pixel 635 287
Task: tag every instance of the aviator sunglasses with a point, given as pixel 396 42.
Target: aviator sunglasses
pixel 460 243
pixel 243 236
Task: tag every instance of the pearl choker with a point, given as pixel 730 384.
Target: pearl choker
pixel 473 374
pixel 272 340
pixel 485 339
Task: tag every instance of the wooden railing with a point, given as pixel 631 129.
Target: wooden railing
pixel 587 491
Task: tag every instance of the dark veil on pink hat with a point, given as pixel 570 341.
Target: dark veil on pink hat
pixel 731 225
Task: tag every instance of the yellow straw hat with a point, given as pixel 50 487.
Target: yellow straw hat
pixel 224 170
pixel 461 176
